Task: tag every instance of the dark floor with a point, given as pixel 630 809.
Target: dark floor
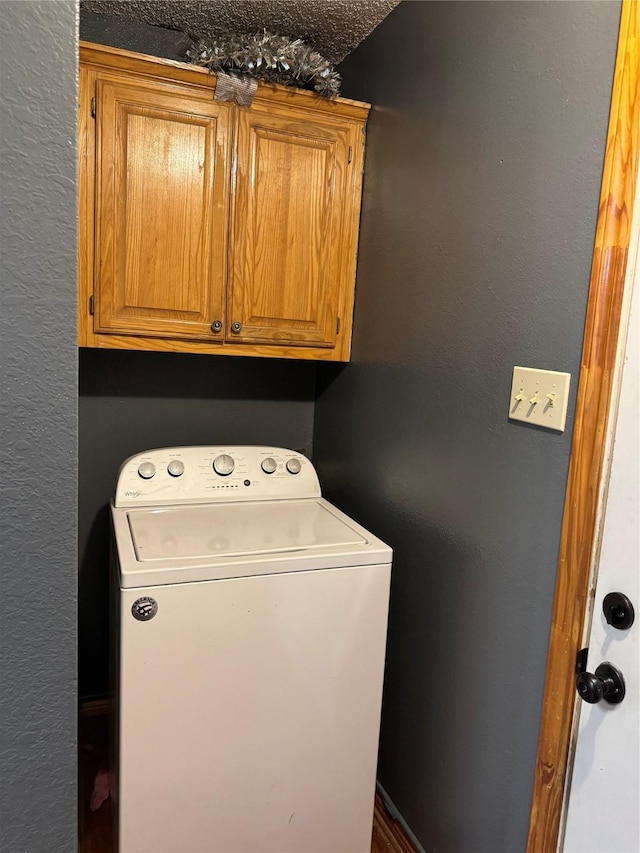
pixel 96 832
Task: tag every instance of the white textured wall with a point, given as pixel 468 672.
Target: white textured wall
pixel 38 394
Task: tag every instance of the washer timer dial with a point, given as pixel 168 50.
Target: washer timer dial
pixel 146 470
pixel 223 465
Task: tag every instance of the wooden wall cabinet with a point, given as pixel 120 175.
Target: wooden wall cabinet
pixel 212 228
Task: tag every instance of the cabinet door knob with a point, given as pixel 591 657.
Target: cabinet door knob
pixel 236 328
pixel 216 326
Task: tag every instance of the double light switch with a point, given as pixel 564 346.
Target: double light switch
pixel 539 397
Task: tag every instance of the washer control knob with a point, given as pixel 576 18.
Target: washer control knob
pixel 269 465
pixel 146 470
pixel 176 467
pixel 294 466
pixel 223 465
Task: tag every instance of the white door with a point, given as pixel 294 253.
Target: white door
pixel 603 809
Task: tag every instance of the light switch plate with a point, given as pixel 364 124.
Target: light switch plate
pixel 539 397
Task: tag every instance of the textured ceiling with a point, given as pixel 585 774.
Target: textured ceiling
pixel 333 27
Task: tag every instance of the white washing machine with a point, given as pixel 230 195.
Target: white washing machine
pixel 252 620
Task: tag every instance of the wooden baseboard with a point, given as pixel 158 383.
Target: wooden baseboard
pixel 389 832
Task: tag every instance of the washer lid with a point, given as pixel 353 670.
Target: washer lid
pixel 234 530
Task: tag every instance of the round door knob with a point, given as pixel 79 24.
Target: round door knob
pixel 223 465
pixel 294 466
pixel 146 470
pixel 269 465
pixel 176 468
pixel 607 683
pixel 236 328
pixel 618 610
pixel 216 327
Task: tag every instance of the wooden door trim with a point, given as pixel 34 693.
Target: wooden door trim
pixel 578 544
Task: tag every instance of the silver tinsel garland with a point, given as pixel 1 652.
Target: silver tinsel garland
pixel 268 57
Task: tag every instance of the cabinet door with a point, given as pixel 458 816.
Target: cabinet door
pixel 287 239
pixel 161 210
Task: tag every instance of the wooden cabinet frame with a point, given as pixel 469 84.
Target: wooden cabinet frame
pixel 348 117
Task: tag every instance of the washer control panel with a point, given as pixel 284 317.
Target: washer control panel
pixel 189 475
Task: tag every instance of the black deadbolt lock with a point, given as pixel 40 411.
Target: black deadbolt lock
pixel 618 610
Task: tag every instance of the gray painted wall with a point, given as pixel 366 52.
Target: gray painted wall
pixel 484 157
pixel 38 392
pixel 132 401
